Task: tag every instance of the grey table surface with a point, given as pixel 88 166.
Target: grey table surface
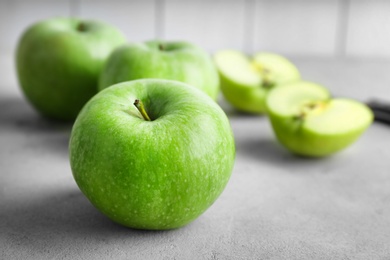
pixel 276 205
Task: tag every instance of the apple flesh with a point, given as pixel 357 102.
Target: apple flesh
pixel 246 81
pixel 157 174
pixel 59 61
pixel 181 61
pixel 308 122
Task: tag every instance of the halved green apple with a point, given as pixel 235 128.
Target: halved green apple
pixel 245 81
pixel 308 122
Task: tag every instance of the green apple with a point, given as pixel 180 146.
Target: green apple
pixel 245 81
pixel 59 60
pixel 308 122
pixel 181 61
pixel 152 153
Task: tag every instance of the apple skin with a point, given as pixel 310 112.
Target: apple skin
pixel 242 84
pixel 306 139
pixel 59 60
pixel 158 174
pixel 311 144
pixel 243 98
pixel 181 61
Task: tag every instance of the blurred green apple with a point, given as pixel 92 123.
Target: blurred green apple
pixel 152 153
pixel 308 122
pixel 181 61
pixel 58 62
pixel 246 81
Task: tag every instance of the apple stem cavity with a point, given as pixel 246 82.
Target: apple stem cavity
pixel 141 108
pixel 81 27
pixel 161 47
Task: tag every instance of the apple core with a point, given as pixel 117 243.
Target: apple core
pixel 264 73
pixel 311 108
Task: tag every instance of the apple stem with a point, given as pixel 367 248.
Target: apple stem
pixel 140 106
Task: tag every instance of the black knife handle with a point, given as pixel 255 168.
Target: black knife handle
pixel 381 110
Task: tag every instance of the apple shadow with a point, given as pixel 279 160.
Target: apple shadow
pixel 266 150
pixel 269 151
pixel 17 114
pixel 60 220
pixel 18 117
pixel 233 113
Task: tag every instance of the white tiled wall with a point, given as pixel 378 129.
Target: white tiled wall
pixel 137 19
pixel 213 24
pixel 296 27
pixel 369 29
pixel 346 28
pixel 16 15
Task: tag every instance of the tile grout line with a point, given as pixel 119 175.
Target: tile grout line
pixel 159 17
pixel 74 8
pixel 341 36
pixel 249 26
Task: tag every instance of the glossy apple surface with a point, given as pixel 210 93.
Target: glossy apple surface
pixel 157 174
pixel 181 61
pixel 59 60
pixel 245 81
pixel 308 122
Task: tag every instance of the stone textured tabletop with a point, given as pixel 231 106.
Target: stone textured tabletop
pixel 276 206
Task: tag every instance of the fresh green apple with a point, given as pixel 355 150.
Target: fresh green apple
pixel 308 122
pixel 152 153
pixel 245 81
pixel 59 60
pixel 181 61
